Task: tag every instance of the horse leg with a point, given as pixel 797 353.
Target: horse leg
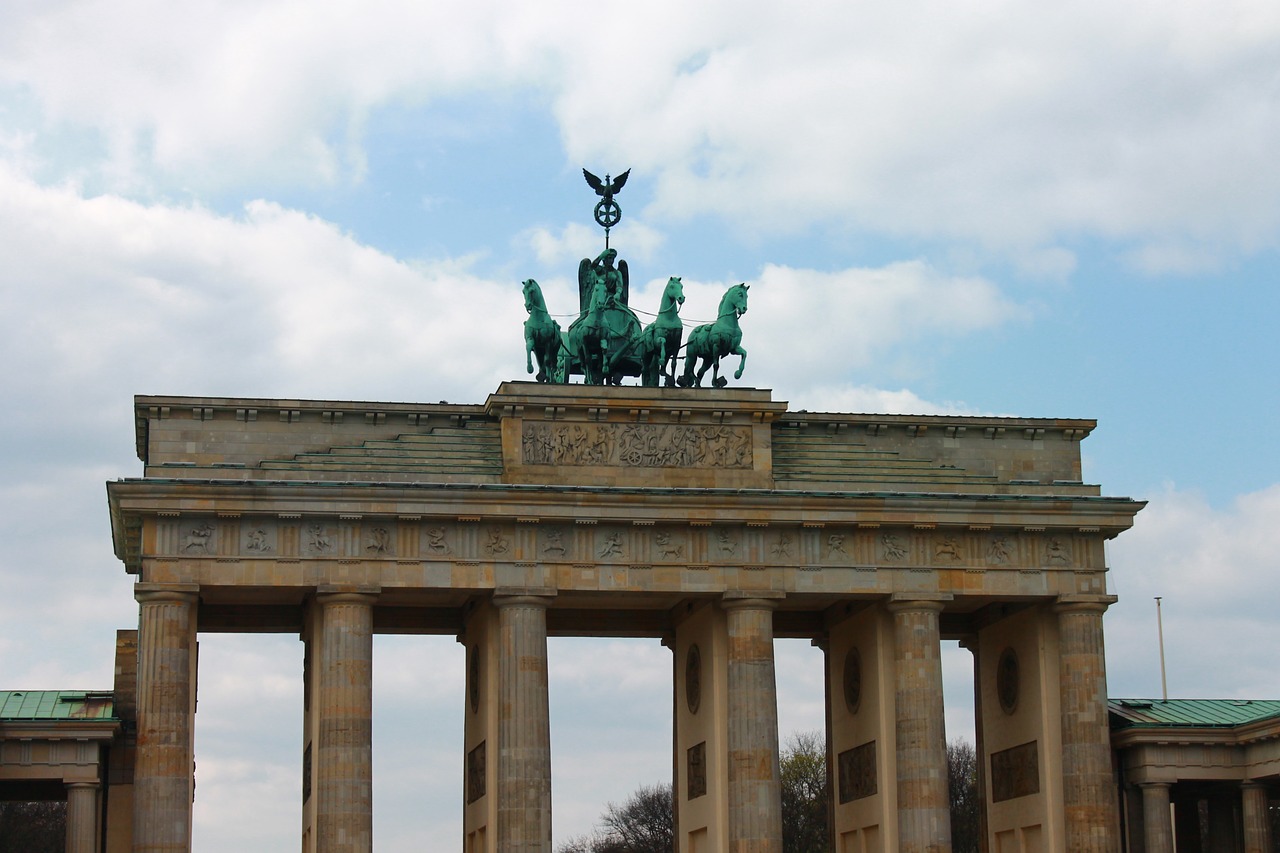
pixel 738 350
pixel 528 352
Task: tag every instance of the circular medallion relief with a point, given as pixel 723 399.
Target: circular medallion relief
pixel 473 678
pixel 693 679
pixel 853 680
pixel 1007 679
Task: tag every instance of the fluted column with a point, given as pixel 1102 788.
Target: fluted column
pixel 755 788
pixel 163 770
pixel 1157 821
pixel 924 816
pixel 524 725
pixel 972 643
pixel 1257 825
pixel 82 817
pixel 1092 818
pixel 344 745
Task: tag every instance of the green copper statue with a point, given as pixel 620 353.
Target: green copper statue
pixel 715 340
pixel 606 341
pixel 603 339
pixel 541 335
pixel 660 341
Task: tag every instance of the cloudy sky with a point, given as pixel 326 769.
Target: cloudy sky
pixel 988 207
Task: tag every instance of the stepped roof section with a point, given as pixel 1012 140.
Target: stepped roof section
pixel 1192 713
pixel 219 438
pixel 44 705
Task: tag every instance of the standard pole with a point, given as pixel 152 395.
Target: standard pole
pixel 1164 684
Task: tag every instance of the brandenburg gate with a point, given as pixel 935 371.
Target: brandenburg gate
pixel 714 519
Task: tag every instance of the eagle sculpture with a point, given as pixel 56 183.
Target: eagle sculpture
pixel 606 188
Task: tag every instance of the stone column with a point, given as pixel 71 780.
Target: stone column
pixel 82 817
pixel 344 707
pixel 924 817
pixel 755 787
pixel 163 770
pixel 1157 821
pixel 524 725
pixel 1092 819
pixel 1257 826
pixel 971 643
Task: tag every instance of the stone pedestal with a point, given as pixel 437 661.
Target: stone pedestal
pixel 163 772
pixel 344 709
pixel 524 725
pixel 1092 819
pixel 755 792
pixel 1157 820
pixel 924 818
pixel 82 817
pixel 1257 826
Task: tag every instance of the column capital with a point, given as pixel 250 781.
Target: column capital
pixel 94 785
pixel 934 602
pixel 523 596
pixel 146 592
pixel 762 599
pixel 1154 785
pixel 1082 603
pixel 332 593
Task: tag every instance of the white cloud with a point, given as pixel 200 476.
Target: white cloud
pixel 1004 122
pixel 807 328
pixel 576 241
pixel 1215 570
pixel 112 297
pixel 866 398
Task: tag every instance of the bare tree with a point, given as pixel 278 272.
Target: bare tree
pixel 805 813
pixel 962 773
pixel 642 824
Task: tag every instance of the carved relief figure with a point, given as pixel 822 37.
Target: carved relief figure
pixel 612 546
pixel 1001 550
pixel 947 549
pixel 892 546
pixel 835 545
pixel 436 543
pixel 258 540
pixel 782 548
pixel 1058 551
pixel 636 445
pixel 666 548
pixel 728 547
pixel 379 540
pixel 318 540
pixel 555 542
pixel 497 543
pixel 197 538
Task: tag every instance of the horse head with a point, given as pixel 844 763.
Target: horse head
pixel 734 301
pixel 532 296
pixel 673 293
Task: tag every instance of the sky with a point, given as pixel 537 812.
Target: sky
pixel 1066 210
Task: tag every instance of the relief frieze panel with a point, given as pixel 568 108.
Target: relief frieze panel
pixel 811 546
pixel 637 445
pixel 258 540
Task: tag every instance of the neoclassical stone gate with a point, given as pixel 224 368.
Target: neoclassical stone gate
pixel 714 519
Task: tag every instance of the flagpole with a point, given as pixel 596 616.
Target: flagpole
pixel 1164 684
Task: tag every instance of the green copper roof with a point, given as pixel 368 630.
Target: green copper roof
pixel 55 705
pixel 1216 713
